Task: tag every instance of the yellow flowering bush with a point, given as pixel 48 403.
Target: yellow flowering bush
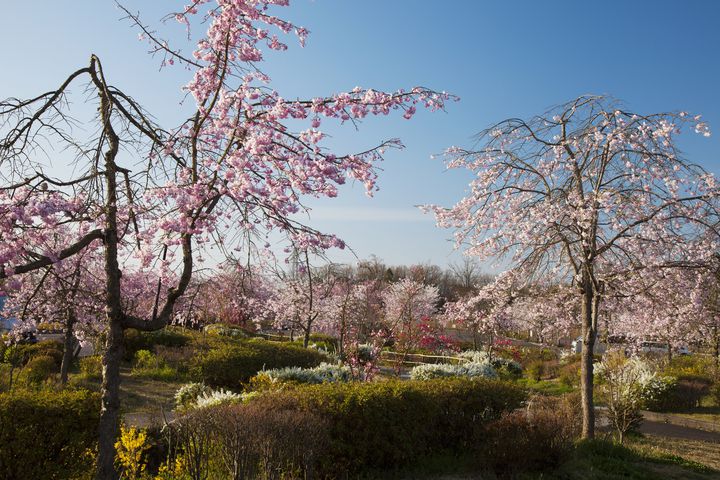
pixel 130 450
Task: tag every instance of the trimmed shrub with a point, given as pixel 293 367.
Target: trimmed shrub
pixel 246 441
pixel 91 367
pixel 529 355
pixel 323 373
pixel 47 434
pixel 536 438
pixel 535 370
pixel 691 389
pixel 440 370
pixel 46 348
pixel 320 341
pixel 230 364
pixel 40 368
pixel 660 394
pixel 569 374
pixel 147 364
pixel 135 340
pixel 336 430
pixel 226 331
pixel 697 366
pixel 683 393
pixel 507 368
pixel 387 424
pixel 176 357
pixel 188 394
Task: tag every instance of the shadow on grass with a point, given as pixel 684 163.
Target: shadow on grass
pixel 589 460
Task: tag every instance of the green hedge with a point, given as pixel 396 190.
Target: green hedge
pixel 40 368
pixel 232 363
pixel 27 351
pixel 685 393
pixel 47 434
pixel 135 340
pixel 382 425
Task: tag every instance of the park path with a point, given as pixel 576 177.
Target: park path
pixel 671 430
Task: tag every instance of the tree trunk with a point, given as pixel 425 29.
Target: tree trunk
pixel 586 363
pixel 717 347
pixel 306 338
pixel 341 340
pixel 109 428
pixel 68 347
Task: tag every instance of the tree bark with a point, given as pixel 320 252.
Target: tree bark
pixel 716 346
pixel 586 362
pixel 306 338
pixel 109 428
pixel 68 348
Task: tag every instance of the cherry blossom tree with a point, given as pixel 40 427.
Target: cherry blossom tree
pixel 408 307
pixel 157 196
pixel 353 313
pixel 548 311
pixel 235 294
pixel 585 195
pixel 709 297
pixel 303 297
pixel 674 307
pixel 485 313
pixel 67 293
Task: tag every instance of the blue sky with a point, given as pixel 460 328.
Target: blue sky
pixel 503 58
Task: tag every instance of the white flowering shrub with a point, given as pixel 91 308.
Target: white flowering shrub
pixel 634 376
pixel 628 385
pixel 567 356
pixel 478 369
pixel 217 397
pixel 188 394
pixel 323 373
pixel 439 370
pixel 499 364
pixel 474 356
pixel 198 395
pixel 656 391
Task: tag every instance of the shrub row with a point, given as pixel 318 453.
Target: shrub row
pixel 47 434
pixel 536 438
pixel 357 426
pixel 682 393
pixel 24 352
pixel 323 373
pixel 135 340
pixel 231 363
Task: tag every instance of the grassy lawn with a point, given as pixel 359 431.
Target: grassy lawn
pixel 642 459
pixel 546 387
pixel 701 452
pixel 139 394
pixel 708 411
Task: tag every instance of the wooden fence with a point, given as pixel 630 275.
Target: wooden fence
pixel 412 359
